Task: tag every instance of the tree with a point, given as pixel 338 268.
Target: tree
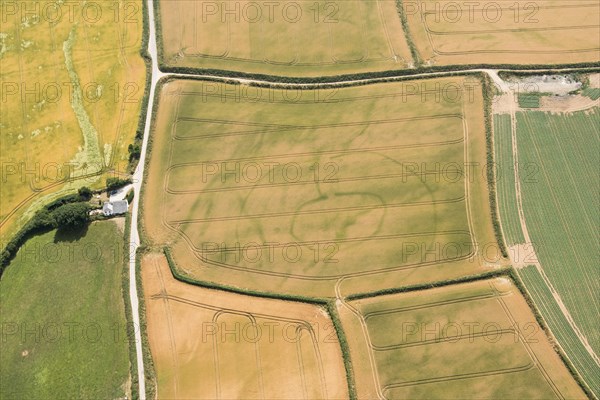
pixel 134 152
pixel 72 215
pixel 85 193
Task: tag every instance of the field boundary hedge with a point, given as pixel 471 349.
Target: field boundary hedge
pixel 407 34
pixel 149 370
pixel 488 95
pixel 424 286
pixel 534 70
pixel 232 289
pixel 344 347
pixel 139 133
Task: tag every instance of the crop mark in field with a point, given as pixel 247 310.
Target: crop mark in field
pixel 431 33
pixel 411 91
pixel 176 224
pixel 320 153
pixel 495 296
pixel 199 254
pixel 530 351
pixel 299 326
pixel 277 128
pixel 295 46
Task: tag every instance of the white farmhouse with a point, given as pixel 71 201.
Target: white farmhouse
pixel 115 207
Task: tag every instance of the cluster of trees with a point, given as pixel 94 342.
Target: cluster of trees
pixel 68 212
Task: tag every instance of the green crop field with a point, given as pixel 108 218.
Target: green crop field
pixel 581 359
pixel 529 100
pixel 63 319
pixel 558 160
pixel 292 191
pixel 505 181
pixel 592 93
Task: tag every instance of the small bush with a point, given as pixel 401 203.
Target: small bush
pixel 116 183
pixel 85 193
pixel 129 196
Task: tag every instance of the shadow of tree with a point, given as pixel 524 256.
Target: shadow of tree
pixel 70 234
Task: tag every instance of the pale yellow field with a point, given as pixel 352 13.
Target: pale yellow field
pixel 476 340
pixel 209 344
pixel 359 189
pixel 291 38
pixel 504 32
pixel 70 99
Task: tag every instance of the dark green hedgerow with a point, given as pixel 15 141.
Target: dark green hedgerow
pixel 412 288
pixel 139 133
pixel 149 370
pixel 231 289
pixel 409 39
pixel 67 212
pixel 488 96
pixel 361 76
pixel 345 348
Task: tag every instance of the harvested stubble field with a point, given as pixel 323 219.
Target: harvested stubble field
pixel 478 339
pixel 65 67
pixel 209 344
pixel 293 38
pixel 451 32
pixel 291 191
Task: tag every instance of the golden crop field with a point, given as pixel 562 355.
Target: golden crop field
pixel 293 38
pixel 504 32
pixel 293 191
pixel 209 344
pixel 65 67
pixel 478 339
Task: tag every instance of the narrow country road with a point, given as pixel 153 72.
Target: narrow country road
pixel 139 172
pixel 138 176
